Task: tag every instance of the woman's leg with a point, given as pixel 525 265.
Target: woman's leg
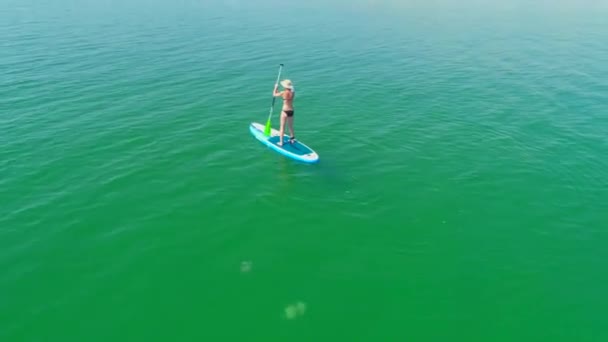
pixel 290 123
pixel 282 129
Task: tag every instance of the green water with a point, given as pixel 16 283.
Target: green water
pixel 461 195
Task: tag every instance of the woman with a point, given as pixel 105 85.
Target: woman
pixel 287 113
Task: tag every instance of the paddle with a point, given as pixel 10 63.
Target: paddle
pixel 267 129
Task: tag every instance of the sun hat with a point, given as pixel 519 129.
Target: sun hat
pixel 287 84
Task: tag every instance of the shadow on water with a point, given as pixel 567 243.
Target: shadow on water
pixel 331 173
pixel 327 174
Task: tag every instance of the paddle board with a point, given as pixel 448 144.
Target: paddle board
pixel 296 150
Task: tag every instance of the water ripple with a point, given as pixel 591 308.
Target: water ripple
pixel 125 149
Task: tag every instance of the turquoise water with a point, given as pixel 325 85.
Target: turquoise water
pixel 461 193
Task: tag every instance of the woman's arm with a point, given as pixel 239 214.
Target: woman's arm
pixel 275 92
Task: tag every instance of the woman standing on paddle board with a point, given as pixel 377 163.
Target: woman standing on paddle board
pixel 287 113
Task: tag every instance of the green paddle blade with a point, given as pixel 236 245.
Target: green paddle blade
pixel 267 129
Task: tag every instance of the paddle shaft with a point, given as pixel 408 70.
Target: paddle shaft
pixel 275 85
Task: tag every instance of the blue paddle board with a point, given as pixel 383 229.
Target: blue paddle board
pixel 295 150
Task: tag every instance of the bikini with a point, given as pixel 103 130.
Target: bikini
pixel 290 112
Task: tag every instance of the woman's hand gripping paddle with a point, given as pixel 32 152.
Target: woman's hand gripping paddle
pixel 267 128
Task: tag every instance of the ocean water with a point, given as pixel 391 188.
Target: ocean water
pixel 461 192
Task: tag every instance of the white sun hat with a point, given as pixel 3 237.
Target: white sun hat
pixel 287 84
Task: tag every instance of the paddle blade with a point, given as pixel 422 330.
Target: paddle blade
pixel 267 128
